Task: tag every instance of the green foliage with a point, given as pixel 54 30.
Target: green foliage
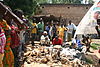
pixel 95 46
pixel 28 6
pixel 91 1
pixel 42 1
pixel 32 6
pixel 67 1
pixel 89 61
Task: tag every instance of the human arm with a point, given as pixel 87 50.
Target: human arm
pixel 74 26
pixel 42 37
pixel 65 28
pixel 60 42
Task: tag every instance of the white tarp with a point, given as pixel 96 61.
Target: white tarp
pixel 88 23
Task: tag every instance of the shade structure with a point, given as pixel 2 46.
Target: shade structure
pixel 89 21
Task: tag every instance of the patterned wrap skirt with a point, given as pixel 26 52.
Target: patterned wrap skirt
pixel 8 60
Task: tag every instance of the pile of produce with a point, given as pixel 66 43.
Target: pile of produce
pixel 54 56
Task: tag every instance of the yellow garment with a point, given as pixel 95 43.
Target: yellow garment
pixel 34 30
pixel 57 29
pixel 1 59
pixel 61 32
pixel 4 25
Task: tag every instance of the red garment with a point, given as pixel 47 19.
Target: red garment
pixel 14 37
pixel 99 51
pixel 57 42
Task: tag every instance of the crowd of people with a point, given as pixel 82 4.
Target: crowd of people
pixel 41 30
pixel 13 37
pixel 58 34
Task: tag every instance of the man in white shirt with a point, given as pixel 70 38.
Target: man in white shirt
pixel 45 39
pixel 71 27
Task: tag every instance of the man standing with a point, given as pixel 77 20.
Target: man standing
pixel 61 31
pixel 40 27
pixel 47 28
pixel 71 27
pixel 34 31
pixel 54 29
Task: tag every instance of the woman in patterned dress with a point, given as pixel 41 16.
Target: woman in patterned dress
pixel 8 60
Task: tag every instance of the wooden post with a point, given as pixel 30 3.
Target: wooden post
pixel 4 9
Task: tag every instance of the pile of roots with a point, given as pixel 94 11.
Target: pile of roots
pixel 52 56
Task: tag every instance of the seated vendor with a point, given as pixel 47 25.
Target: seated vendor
pixel 57 41
pixel 76 42
pixel 45 39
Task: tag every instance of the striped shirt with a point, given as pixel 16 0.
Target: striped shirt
pixel 2 40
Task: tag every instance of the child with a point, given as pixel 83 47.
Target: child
pixel 22 42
